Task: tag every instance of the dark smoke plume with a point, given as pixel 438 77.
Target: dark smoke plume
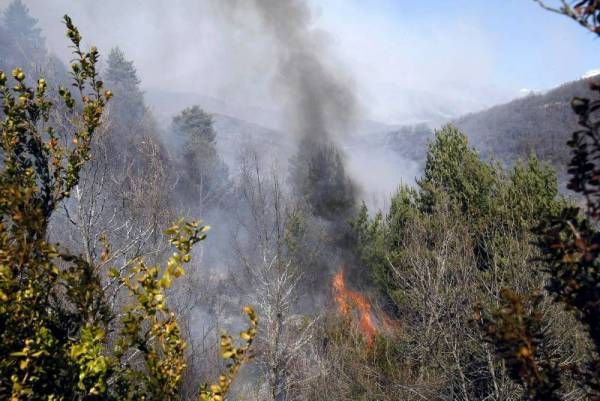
pixel 320 100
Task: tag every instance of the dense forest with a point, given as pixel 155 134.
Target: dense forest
pixel 479 281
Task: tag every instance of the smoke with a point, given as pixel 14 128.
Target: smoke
pixel 319 102
pixel 319 98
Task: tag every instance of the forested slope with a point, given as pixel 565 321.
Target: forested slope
pixel 537 123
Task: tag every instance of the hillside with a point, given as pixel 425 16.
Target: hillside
pixel 539 123
pixel 234 134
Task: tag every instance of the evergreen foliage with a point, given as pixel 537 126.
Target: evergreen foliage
pixel 488 280
pixel 319 177
pixel 128 108
pixel 204 177
pixel 195 126
pixel 450 244
pixel 455 168
pixel 22 42
pixel 569 244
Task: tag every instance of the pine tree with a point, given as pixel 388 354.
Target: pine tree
pixel 569 242
pixel 319 177
pixel 194 125
pixel 5 46
pixel 453 166
pixel 23 44
pixel 205 177
pixel 129 109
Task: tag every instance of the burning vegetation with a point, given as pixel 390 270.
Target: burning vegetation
pixel 355 305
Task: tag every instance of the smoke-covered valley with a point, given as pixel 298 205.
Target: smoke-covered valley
pixel 374 192
pixel 202 54
pixel 225 62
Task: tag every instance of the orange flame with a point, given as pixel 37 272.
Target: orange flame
pixel 347 300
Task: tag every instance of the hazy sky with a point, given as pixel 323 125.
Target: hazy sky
pixel 406 57
pixel 523 45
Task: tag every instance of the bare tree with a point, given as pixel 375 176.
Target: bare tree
pixel 584 12
pixel 262 250
pixel 121 198
pixel 285 334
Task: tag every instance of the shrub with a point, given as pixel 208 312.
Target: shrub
pixel 59 338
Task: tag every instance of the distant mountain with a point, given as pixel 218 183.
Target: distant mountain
pixel 166 104
pixel 591 74
pixel 406 141
pixel 381 160
pixel 233 134
pixel 236 128
pixel 539 123
pixel 257 127
pixel 410 105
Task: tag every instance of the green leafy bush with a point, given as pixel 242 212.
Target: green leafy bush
pixel 59 337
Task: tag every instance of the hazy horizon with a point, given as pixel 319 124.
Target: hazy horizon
pixel 409 63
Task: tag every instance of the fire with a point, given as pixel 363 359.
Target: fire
pixel 348 300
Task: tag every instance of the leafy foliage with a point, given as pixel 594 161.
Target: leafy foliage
pixel 237 356
pixel 59 337
pixel 518 330
pixel 569 244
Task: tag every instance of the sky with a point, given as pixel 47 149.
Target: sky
pixel 408 60
pixel 526 46
pixel 473 52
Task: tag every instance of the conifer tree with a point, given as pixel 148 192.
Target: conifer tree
pixel 23 44
pixel 569 242
pixel 204 176
pixel 128 109
pixel 319 177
